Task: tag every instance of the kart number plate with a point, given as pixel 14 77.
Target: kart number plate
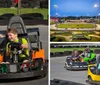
pixel 13 68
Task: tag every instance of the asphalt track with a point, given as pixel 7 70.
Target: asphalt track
pixel 57 71
pixel 34 81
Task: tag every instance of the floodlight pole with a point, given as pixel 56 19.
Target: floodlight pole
pixel 96 6
pixel 13 3
pixel 19 7
pixel 56 7
pixel 99 11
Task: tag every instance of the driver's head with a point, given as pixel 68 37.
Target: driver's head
pixel 12 34
pixel 87 49
pixel 76 53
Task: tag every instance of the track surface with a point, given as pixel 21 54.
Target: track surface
pixel 35 81
pixel 57 71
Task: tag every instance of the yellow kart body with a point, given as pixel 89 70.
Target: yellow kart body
pixel 93 76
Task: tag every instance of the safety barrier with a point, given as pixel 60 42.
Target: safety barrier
pixel 67 53
pixel 59 54
pixel 28 18
pixel 27 22
pixel 63 82
pixel 97 51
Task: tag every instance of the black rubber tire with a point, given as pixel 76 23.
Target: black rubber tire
pixel 26 5
pixel 39 64
pixel 89 79
pixel 23 74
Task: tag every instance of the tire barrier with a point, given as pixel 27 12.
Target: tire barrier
pixel 97 51
pixel 4 21
pixel 29 19
pixel 32 16
pixel 63 82
pixel 59 54
pixel 67 53
pixel 44 4
pixel 52 54
pixel 80 52
pixel 25 3
pixel 7 16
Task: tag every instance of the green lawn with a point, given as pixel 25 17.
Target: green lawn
pixel 57 32
pixel 76 26
pixel 44 12
pixel 68 49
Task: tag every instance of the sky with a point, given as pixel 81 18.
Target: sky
pixel 63 8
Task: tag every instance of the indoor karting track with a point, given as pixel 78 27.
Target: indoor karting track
pixel 57 71
pixel 35 81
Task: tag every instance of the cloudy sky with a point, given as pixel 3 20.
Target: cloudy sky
pixel 74 7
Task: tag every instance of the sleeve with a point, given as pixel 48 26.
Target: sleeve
pixel 7 46
pixel 24 41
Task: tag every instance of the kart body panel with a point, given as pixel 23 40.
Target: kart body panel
pixel 70 65
pixel 93 76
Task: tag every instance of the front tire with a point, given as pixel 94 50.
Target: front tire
pixel 39 64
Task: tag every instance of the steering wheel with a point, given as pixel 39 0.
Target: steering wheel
pixel 14 45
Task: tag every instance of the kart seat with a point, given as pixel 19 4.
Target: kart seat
pixel 17 23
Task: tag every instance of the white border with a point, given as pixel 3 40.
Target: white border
pixel 49 43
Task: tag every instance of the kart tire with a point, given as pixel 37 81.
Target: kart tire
pixel 68 68
pixel 39 64
pixel 26 5
pixel 89 79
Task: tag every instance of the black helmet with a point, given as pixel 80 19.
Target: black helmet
pixel 87 49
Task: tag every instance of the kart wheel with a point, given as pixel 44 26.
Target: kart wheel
pixel 65 65
pixel 89 79
pixel 39 64
pixel 68 67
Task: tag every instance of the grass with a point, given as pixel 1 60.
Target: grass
pixel 44 11
pixel 51 23
pixel 63 33
pixel 76 26
pixel 68 49
pixel 70 32
pixel 92 40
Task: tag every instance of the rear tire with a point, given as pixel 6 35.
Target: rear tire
pixel 39 64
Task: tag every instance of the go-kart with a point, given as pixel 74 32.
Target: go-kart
pixel 94 73
pixel 78 65
pixel 36 65
pixel 75 65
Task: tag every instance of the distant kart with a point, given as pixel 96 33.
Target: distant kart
pixel 71 65
pixel 36 65
pixel 81 37
pixel 78 65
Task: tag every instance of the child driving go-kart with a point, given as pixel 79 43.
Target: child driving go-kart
pixel 12 35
